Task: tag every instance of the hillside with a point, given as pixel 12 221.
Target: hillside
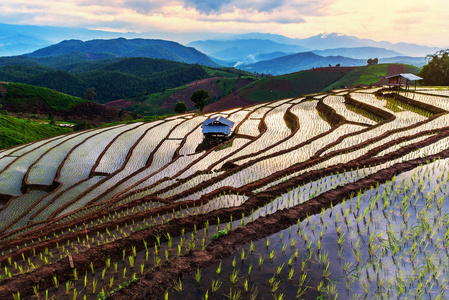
pixel 27 100
pixel 15 131
pixel 122 47
pixel 329 188
pixel 294 84
pixel 164 102
pixel 371 75
pixel 112 79
pixel 308 82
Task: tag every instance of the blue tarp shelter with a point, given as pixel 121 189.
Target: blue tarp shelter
pixel 217 126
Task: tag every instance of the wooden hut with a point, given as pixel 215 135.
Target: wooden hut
pixel 402 79
pixel 217 128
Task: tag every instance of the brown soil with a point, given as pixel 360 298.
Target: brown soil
pixel 242 82
pixel 32 225
pixel 92 112
pixel 332 69
pixel 184 95
pixel 224 247
pixel 120 104
pixel 392 70
pixel 278 85
pixel 231 101
pixel 157 280
pixel 160 278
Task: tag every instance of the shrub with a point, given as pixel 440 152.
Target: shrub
pixel 82 126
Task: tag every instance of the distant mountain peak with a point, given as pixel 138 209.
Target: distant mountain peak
pixel 331 35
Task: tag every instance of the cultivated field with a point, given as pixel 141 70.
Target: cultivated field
pixel 339 195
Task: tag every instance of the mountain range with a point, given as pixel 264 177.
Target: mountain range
pixel 21 39
pixel 121 47
pixel 300 61
pixel 244 51
pixel 338 40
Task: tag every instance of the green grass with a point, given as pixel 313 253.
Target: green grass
pixel 366 75
pixel 362 75
pixel 263 96
pixel 290 85
pixel 152 105
pixel 144 119
pixel 228 144
pixel 398 106
pixel 23 94
pixel 226 85
pixel 411 69
pixel 157 99
pixel 225 72
pixel 372 74
pixel 15 131
pixel 364 113
pixel 219 73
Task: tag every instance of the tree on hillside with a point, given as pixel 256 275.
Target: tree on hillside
pixel 180 107
pixel 200 98
pixel 371 62
pixel 51 119
pixel 90 94
pixel 436 72
pixel 83 125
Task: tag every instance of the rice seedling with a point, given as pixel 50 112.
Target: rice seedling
pixel 216 284
pixel 390 227
pixel 234 276
pixel 198 275
pixel 177 286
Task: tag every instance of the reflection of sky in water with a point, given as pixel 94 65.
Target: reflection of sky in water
pixel 392 221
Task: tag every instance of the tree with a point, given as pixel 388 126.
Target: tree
pixel 371 62
pixel 51 119
pixel 90 94
pixel 82 126
pixel 180 107
pixel 436 72
pixel 200 98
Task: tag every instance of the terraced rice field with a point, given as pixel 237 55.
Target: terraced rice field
pixel 338 196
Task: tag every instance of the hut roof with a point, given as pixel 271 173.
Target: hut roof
pixel 217 125
pixel 218 120
pixel 408 76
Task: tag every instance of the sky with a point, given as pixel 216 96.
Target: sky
pixel 411 21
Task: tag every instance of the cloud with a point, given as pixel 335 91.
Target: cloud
pixel 217 7
pixel 207 6
pixel 267 19
pixel 421 8
pixel 146 6
pixel 261 5
pixel 294 18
